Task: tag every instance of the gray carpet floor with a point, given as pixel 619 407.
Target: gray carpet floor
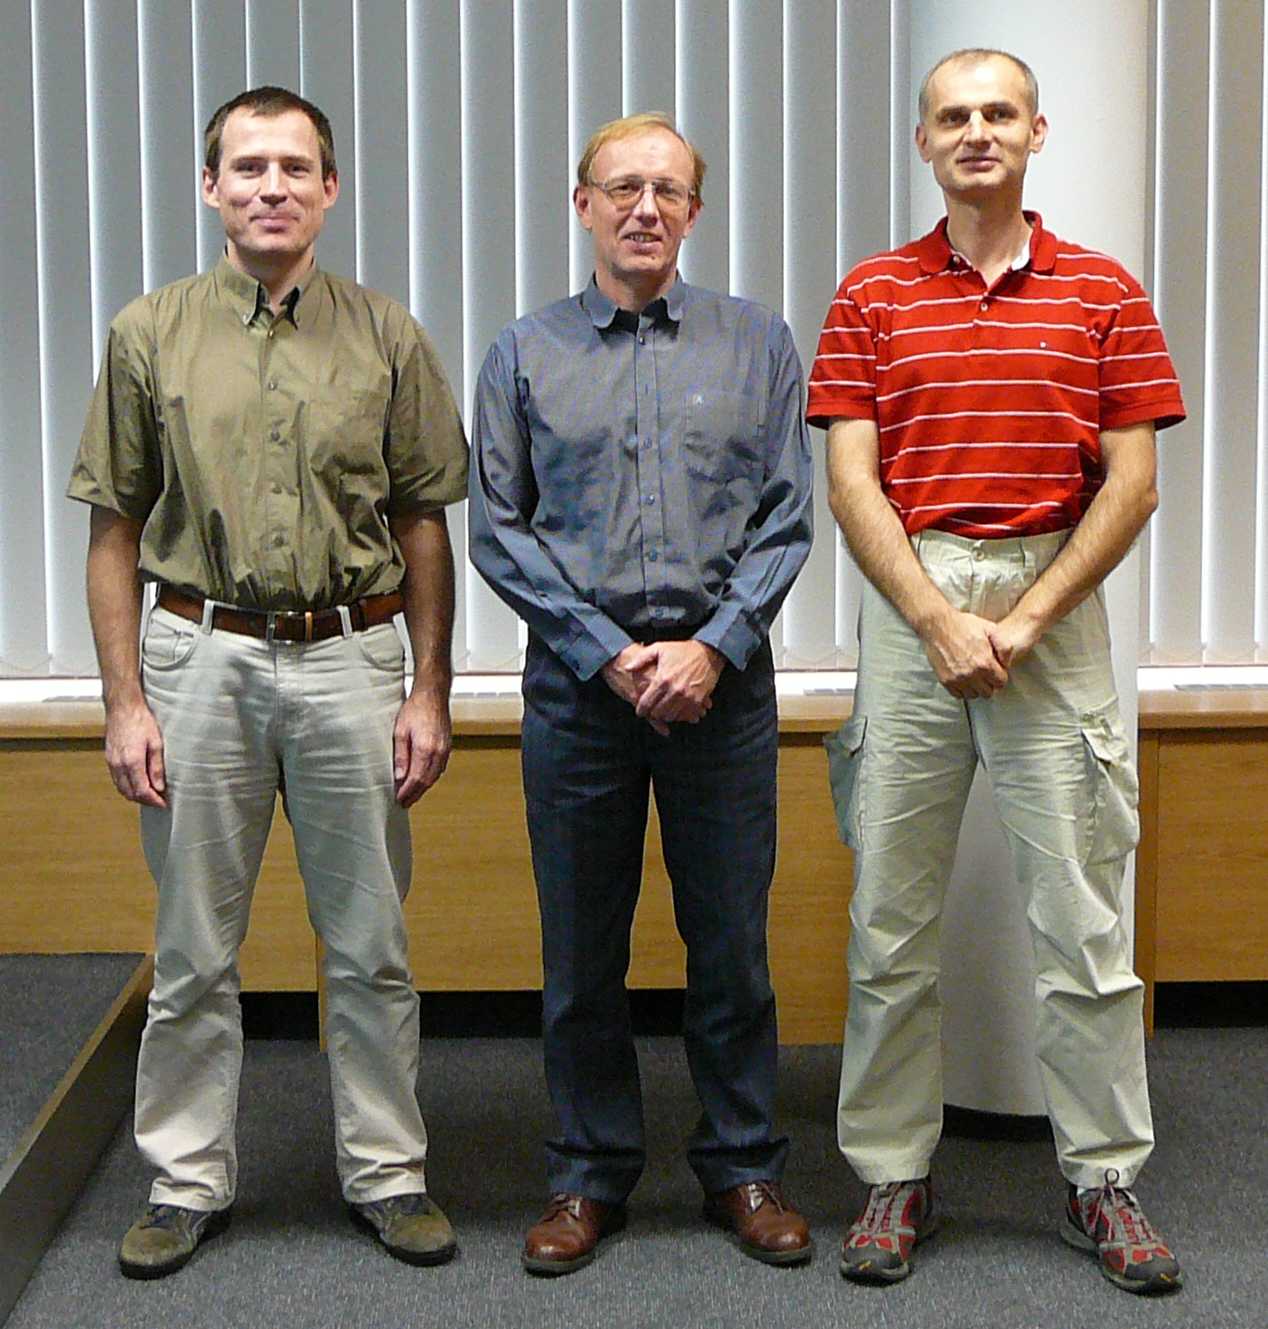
pixel 49 1005
pixel 292 1258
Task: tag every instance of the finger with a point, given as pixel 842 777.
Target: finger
pixel 652 698
pixel 660 727
pixel 157 769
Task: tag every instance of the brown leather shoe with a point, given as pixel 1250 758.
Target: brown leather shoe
pixel 767 1226
pixel 565 1236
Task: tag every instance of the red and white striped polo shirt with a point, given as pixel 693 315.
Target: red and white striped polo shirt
pixel 990 403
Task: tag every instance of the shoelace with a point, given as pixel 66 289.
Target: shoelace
pixel 165 1216
pixel 561 1204
pixel 1122 1211
pixel 880 1204
pixel 768 1193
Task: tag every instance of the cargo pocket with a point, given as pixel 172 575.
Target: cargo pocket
pixel 1115 823
pixel 845 756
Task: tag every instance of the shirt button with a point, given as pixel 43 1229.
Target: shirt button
pixel 246 320
pixel 650 499
pixel 277 489
pixel 642 341
pixel 278 541
pixel 272 385
pixel 651 556
pixel 985 305
pixel 276 436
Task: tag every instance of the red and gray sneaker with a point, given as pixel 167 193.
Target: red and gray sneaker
pixel 1108 1221
pixel 879 1243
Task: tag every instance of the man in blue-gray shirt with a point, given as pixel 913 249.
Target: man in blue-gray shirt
pixel 640 495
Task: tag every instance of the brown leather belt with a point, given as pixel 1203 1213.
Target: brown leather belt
pixel 283 625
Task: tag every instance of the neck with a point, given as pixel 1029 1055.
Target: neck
pixel 634 292
pixel 278 274
pixel 989 232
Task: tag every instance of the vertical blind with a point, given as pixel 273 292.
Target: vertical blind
pixel 458 124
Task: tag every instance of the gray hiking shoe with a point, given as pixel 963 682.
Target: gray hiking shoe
pixel 878 1245
pixel 411 1227
pixel 165 1236
pixel 1109 1222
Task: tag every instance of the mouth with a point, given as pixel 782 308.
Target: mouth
pixel 641 238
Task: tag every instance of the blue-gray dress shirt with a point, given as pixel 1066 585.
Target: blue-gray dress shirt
pixel 642 475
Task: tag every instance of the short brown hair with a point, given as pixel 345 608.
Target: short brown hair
pixel 976 54
pixel 626 127
pixel 269 101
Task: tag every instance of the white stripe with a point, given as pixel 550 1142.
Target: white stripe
pixel 840 383
pixel 988 415
pixel 897 281
pixel 1139 355
pixel 980 323
pixel 982 525
pixel 964 447
pixel 842 355
pixel 985 383
pixel 1016 507
pixel 1122 328
pixel 943 477
pixel 984 350
pixel 1080 276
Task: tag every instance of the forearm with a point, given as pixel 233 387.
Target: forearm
pixel 884 555
pixel 1097 545
pixel 114 605
pixel 428 591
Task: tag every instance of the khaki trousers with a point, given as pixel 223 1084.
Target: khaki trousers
pixel 241 717
pixel 1053 746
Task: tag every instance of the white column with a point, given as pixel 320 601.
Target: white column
pixel 1090 185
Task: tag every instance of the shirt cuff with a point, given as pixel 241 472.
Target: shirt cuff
pixel 728 632
pixel 592 646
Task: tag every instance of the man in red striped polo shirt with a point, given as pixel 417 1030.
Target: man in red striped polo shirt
pixel 991 395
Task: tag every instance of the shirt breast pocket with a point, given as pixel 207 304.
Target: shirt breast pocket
pixel 722 436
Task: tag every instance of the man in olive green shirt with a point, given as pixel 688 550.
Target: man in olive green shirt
pixel 274 447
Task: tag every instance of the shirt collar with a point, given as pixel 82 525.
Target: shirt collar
pixel 603 311
pixel 246 296
pixel 935 254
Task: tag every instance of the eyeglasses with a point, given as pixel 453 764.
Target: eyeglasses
pixel 627 190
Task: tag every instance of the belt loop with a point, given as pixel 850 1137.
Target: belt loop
pixel 270 625
pixel 209 613
pixel 345 620
pixel 308 625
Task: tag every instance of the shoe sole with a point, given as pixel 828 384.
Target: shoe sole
pixel 216 1224
pixel 879 1275
pixel 557 1268
pixel 777 1258
pixel 1157 1286
pixel 422 1259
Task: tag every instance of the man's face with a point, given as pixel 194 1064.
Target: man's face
pixel 980 130
pixel 639 242
pixel 269 190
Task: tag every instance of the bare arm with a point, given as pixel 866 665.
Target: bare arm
pixel 958 644
pixel 1097 545
pixel 134 746
pixel 423 735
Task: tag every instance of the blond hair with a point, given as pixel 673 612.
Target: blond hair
pixel 626 127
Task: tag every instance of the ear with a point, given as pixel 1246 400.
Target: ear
pixel 331 187
pixel 1038 133
pixel 211 192
pixel 693 211
pixel 922 141
pixel 581 203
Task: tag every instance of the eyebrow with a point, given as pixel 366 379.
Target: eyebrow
pixel 958 108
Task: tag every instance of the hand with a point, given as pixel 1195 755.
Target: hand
pixel 421 742
pixel 134 754
pixel 682 686
pixel 962 653
pixel 1013 638
pixel 629 674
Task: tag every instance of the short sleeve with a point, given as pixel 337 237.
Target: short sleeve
pixel 1138 381
pixel 843 377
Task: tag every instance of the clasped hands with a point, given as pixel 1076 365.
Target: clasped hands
pixel 666 681
pixel 972 656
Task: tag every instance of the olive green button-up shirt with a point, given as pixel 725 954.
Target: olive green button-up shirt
pixel 264 453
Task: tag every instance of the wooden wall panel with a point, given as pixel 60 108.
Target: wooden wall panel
pixel 76 880
pixel 1212 903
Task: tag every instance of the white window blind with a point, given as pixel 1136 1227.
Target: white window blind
pixel 458 124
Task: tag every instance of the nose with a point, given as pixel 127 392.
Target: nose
pixel 976 128
pixel 271 185
pixel 646 205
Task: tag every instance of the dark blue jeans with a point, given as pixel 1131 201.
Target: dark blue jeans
pixel 588 764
